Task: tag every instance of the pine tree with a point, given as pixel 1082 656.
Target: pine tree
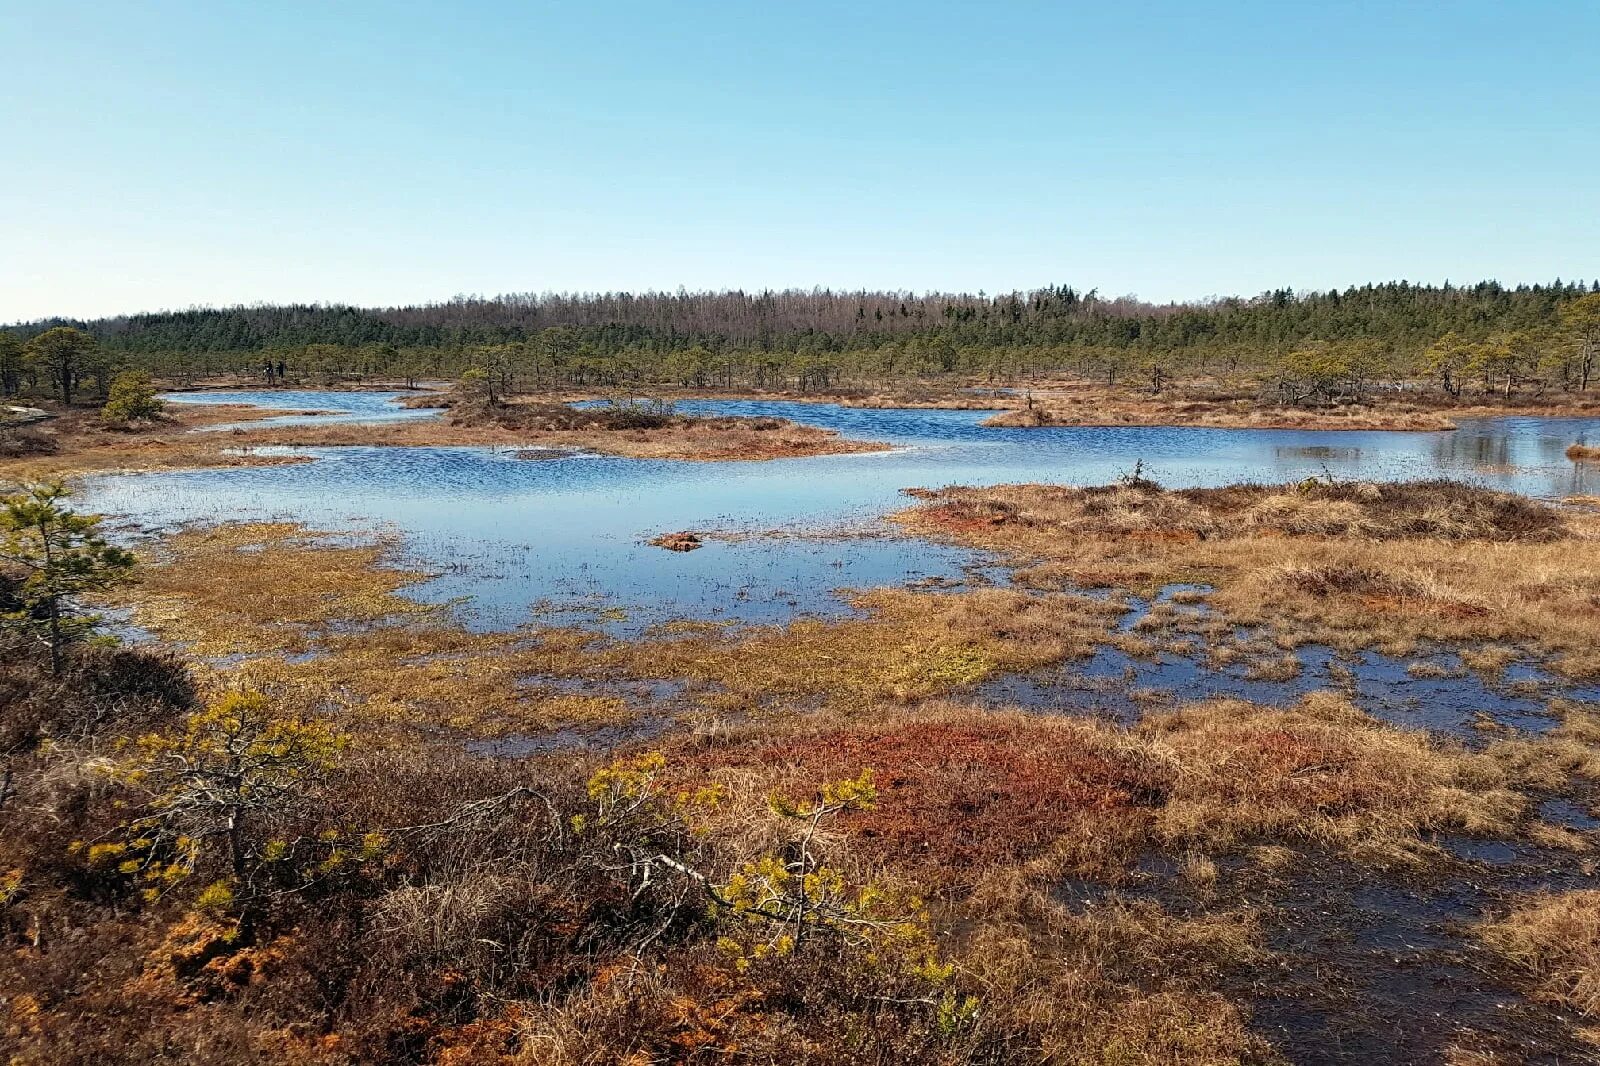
pixel 59 556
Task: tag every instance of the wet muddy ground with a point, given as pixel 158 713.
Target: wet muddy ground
pixel 1367 966
pixel 1433 690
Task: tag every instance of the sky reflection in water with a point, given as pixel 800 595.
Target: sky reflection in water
pixel 512 535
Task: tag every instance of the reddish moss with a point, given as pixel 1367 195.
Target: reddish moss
pixel 962 797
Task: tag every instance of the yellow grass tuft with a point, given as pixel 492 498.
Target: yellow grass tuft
pixel 1556 939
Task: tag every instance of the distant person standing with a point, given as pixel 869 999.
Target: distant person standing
pixel 267 366
pixel 281 369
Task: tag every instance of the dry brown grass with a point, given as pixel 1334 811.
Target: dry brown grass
pixel 321 622
pixel 1097 405
pixel 1352 566
pixel 985 802
pixel 911 645
pixel 1555 938
pixel 1552 762
pixel 269 587
pixel 1239 405
pixel 1583 453
pixel 1323 773
pixel 80 443
pixel 527 423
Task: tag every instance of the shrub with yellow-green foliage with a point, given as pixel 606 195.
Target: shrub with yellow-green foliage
pixel 784 899
pixel 220 787
pixel 131 398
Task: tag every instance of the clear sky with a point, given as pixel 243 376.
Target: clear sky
pixel 169 154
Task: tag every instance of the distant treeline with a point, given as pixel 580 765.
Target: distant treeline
pixel 821 320
pixel 818 337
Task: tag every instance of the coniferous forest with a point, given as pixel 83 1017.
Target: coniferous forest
pixel 821 338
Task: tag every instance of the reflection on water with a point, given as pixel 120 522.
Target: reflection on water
pixel 568 532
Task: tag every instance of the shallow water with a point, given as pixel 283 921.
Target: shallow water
pixel 568 533
pixel 330 406
pixel 1443 697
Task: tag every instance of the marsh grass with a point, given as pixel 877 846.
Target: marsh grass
pixel 983 813
pixel 977 793
pixel 1322 773
pixel 326 617
pixel 321 620
pixel 988 810
pixel 517 936
pixel 1555 938
pixel 246 589
pixel 633 433
pixel 520 941
pixel 909 646
pixel 1392 567
pixel 78 442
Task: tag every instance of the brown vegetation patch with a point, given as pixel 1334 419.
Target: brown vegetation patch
pixel 26 441
pixel 320 620
pixel 678 542
pixel 1583 453
pixel 911 645
pixel 1446 510
pixel 1244 405
pixel 78 442
pixel 1209 408
pixel 1354 566
pixel 971 796
pixel 324 617
pixel 635 434
pixel 1321 772
pixel 264 587
pixel 1556 939
pixel 1374 586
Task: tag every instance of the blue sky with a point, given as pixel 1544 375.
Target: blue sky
pixel 171 154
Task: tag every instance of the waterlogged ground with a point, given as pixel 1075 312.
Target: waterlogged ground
pixel 567 532
pixel 1435 690
pixel 1365 963
pixel 329 407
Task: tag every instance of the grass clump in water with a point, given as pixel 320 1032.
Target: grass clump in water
pixel 1392 567
pixel 1555 938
